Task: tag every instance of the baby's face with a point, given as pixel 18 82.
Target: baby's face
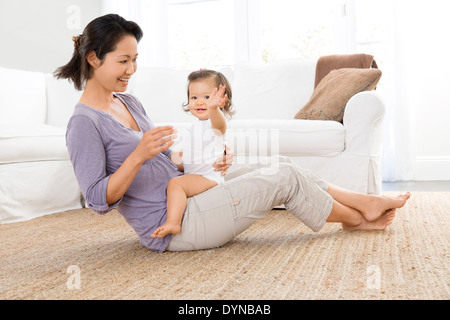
pixel 199 93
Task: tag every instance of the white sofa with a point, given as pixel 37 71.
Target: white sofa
pixel 36 176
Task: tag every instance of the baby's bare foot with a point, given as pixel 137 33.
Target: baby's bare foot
pixel 165 229
pixel 376 206
pixel 379 224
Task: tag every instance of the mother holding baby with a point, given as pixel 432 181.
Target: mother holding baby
pixel 122 161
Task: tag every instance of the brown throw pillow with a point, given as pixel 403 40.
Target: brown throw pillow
pixel 331 95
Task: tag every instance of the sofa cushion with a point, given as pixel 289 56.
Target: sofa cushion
pixel 334 91
pixel 61 100
pixel 272 91
pixel 325 64
pixel 288 137
pixel 163 91
pixel 32 143
pixel 22 97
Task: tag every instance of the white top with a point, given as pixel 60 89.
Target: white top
pixel 201 150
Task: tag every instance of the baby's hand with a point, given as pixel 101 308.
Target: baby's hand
pixel 217 99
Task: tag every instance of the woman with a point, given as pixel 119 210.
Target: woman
pixel 122 161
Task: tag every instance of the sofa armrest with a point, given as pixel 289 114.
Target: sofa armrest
pixel 363 119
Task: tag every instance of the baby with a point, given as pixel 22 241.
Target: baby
pixel 209 95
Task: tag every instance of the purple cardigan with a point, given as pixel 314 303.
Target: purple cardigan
pixel 98 145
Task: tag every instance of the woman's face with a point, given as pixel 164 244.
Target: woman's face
pixel 118 66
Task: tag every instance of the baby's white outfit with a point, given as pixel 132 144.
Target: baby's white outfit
pixel 202 149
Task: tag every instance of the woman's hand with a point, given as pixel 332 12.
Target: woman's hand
pixel 225 162
pixel 154 141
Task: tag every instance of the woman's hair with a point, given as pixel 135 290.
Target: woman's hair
pixel 101 35
pixel 220 79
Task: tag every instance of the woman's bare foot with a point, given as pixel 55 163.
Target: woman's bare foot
pixel 377 206
pixel 165 229
pixel 379 224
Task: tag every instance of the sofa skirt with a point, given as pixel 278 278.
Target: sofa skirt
pixel 33 189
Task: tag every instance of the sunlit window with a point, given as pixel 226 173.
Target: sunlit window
pixel 371 28
pixel 190 34
pixel 299 29
pixel 200 33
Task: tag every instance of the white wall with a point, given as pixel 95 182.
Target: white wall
pixel 427 60
pixel 36 34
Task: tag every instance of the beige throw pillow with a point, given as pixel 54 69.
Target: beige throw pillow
pixel 331 95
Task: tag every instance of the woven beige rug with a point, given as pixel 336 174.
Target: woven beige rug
pixel 82 255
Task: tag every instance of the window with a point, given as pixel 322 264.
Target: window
pixel 191 34
pixel 200 33
pixel 293 29
pixel 371 28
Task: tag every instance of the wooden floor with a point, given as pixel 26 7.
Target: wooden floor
pixel 425 186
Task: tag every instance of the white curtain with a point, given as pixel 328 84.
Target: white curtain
pixel 416 86
pixel 399 142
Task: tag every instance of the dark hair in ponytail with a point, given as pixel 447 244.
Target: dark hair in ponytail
pixel 101 35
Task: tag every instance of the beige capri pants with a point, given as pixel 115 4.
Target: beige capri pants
pixel 216 216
